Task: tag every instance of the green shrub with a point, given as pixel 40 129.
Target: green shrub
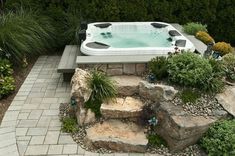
pixel 229 63
pixel 6 79
pixel 204 37
pixel 192 28
pixel 189 69
pixel 223 48
pixel 25 34
pixel 155 140
pixel 69 125
pixel 220 139
pixel 103 89
pixel 158 66
pixel 189 95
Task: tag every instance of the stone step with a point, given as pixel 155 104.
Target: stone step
pixel 127 84
pixel 122 108
pixel 118 136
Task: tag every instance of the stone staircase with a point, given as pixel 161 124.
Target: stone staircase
pixel 113 133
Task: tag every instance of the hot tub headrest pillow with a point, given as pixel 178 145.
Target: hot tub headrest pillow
pixel 103 25
pixel 174 33
pixel 159 25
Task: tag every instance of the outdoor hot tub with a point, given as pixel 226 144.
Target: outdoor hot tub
pixel 133 38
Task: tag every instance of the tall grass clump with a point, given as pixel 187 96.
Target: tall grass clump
pixel 103 89
pixel 25 33
pixel 192 28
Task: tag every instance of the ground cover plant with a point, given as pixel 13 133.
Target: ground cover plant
pixel 220 139
pixel 69 125
pixel 189 95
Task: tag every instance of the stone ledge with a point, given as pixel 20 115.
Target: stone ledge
pixel 118 136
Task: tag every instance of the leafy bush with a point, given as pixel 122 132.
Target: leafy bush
pixel 25 34
pixel 69 125
pixel 103 89
pixel 229 63
pixel 222 47
pixel 189 69
pixel 204 37
pixel 220 138
pixel 6 79
pixel 155 140
pixel 158 66
pixel 189 95
pixel 192 28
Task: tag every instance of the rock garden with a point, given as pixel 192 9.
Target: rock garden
pixel 177 108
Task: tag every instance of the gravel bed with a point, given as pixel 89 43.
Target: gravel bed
pixel 79 138
pixel 206 105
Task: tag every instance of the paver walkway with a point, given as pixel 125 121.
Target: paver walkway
pixel 31 125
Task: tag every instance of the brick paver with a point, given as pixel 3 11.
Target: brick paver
pixel 31 125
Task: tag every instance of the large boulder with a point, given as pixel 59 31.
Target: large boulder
pixel 118 136
pixel 178 128
pixel 127 85
pixel 156 92
pixel 227 100
pixel 122 108
pixel 81 93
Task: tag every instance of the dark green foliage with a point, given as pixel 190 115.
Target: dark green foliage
pixel 155 140
pixel 189 95
pixel 220 139
pixel 25 34
pixel 69 125
pixel 72 24
pixel 189 69
pixel 103 89
pixel 158 66
pixel 6 78
pixel 223 27
pixel 217 14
